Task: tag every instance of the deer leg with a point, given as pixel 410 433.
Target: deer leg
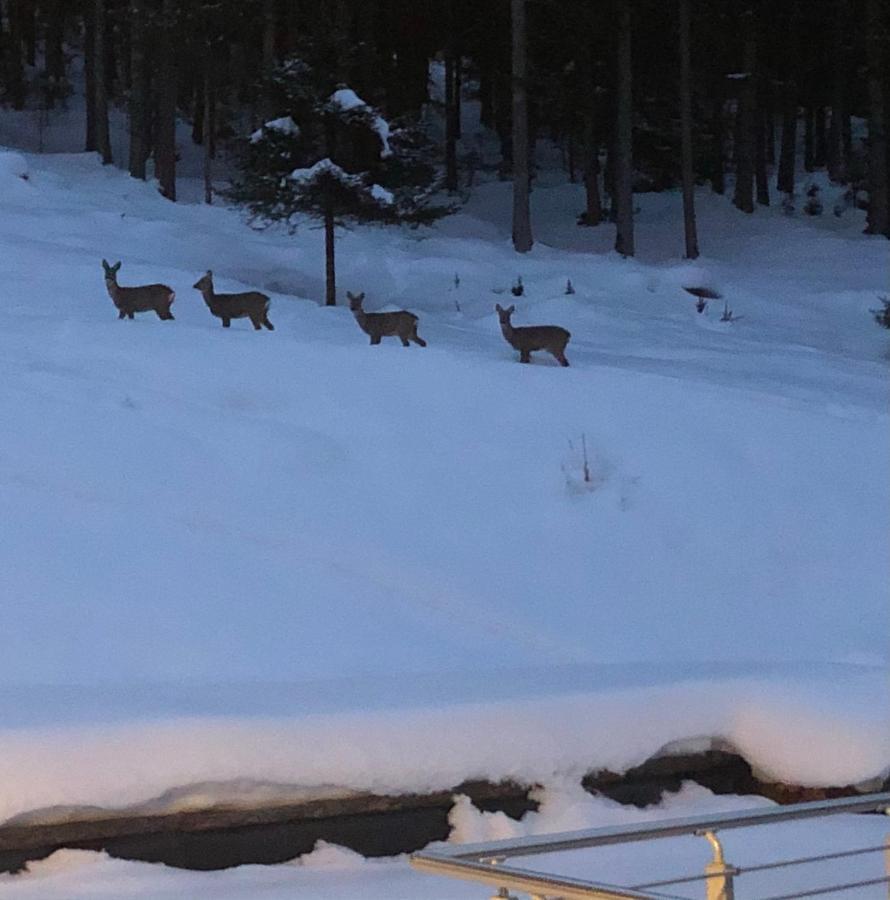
pixel 256 324
pixel 417 338
pixel 405 341
pixel 226 322
pixel 130 315
pixel 525 356
pixel 121 314
pixel 561 358
pixel 268 324
pixel 375 339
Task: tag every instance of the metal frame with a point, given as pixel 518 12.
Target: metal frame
pixel 485 862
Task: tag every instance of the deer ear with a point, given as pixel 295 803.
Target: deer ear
pixel 105 265
pixel 511 310
pixel 116 266
pixel 497 307
pixel 209 274
pixel 361 296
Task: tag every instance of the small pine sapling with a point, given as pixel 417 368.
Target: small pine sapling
pixel 331 157
pixel 569 287
pixel 882 316
pixel 813 206
pixel 518 288
pixel 728 315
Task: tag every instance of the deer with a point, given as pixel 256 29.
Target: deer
pixel 251 305
pixel 551 338
pixel 141 298
pixel 401 324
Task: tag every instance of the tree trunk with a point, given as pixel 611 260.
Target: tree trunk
pixel 139 89
pixel 15 70
pixel 760 154
pixel 746 128
pixel 809 134
pixel 28 20
pixel 689 229
pixel 522 228
pixel 820 146
pixel 165 122
pixel 198 109
pixel 486 93
pixel 269 26
pixel 788 152
pixel 878 219
pixel 623 196
pixel 593 211
pixel 718 172
pixel 208 125
pixel 450 124
pixel 836 157
pixel 103 136
pixel 54 53
pixel 330 281
pixel 458 81
pixel 89 71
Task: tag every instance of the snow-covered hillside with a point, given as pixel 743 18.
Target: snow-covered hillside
pixel 295 558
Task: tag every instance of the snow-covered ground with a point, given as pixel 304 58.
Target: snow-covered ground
pixel 335 873
pixel 289 559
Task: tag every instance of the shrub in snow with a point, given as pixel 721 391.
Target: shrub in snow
pixel 332 157
pixel 813 206
pixel 882 316
pixel 703 294
pixel 582 474
pixel 13 165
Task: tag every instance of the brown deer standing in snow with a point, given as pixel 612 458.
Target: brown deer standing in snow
pixel 551 338
pixel 401 324
pixel 143 298
pixel 249 305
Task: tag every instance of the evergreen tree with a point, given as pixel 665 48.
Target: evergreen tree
pixel 332 158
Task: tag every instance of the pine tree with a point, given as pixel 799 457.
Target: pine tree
pixel 332 158
pixel 686 134
pixel 522 228
pixel 876 41
pixel 103 137
pixel 623 144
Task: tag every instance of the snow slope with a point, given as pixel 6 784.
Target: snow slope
pixel 294 558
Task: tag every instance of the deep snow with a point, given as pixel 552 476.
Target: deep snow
pixel 294 558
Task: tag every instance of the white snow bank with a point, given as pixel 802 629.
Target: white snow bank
pixel 820 731
pixel 292 558
pixel 330 872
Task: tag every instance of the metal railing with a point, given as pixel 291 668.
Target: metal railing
pixel 485 863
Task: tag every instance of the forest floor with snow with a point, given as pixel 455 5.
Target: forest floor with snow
pixel 284 560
